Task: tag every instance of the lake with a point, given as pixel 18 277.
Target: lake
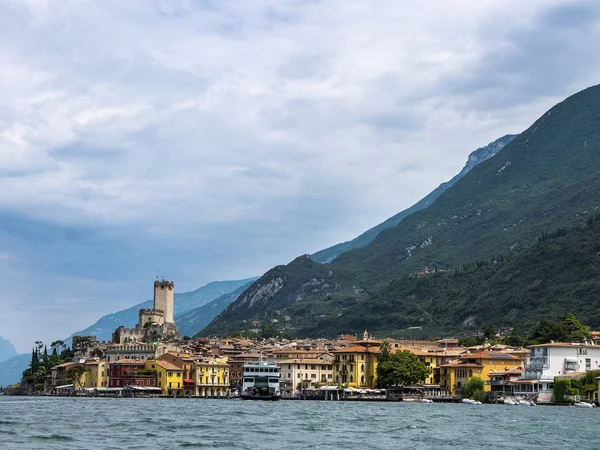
pixel 118 423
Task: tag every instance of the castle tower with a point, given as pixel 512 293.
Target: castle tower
pixel 163 298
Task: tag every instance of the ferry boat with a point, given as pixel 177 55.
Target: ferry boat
pixel 261 381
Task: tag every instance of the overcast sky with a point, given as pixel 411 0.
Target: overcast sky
pixel 211 140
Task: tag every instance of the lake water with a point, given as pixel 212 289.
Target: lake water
pixel 107 423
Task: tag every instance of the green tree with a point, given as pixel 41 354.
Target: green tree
pixel 401 369
pixel 469 342
pixel 564 329
pixel 473 388
pixel 514 339
pixel 385 350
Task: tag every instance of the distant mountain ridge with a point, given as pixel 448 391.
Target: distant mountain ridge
pixel 476 157
pixel 547 177
pixel 184 302
pixel 7 349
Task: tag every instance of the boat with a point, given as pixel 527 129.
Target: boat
pixel 261 381
pixel 584 405
pixel 469 401
pixel 511 402
pixel 426 400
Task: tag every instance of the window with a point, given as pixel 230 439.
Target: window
pixel 289 375
pixel 588 363
pixel 313 367
pixel 170 374
pixel 299 375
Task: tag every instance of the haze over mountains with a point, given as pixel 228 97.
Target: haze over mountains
pixel 547 177
pixel 476 157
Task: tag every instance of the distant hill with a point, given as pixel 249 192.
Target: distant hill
pixel 185 301
pixel 191 322
pixel 548 177
pixel 12 369
pixel 7 349
pixel 478 156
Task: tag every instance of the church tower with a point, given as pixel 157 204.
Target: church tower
pixel 163 298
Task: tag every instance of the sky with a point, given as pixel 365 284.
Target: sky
pixel 209 140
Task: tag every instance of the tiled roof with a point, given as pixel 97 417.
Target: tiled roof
pixel 483 355
pixel 358 349
pixel 129 361
pixel 167 365
pixel 566 344
pixel 306 361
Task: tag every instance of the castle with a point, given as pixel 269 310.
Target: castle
pixel 156 324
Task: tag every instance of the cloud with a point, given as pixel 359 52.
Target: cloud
pixel 216 139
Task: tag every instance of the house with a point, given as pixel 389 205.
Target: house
pixel 130 372
pixel 556 359
pixel 212 377
pixel 355 366
pixel 184 361
pixel 96 374
pixel 169 377
pixel 305 373
pixel 454 375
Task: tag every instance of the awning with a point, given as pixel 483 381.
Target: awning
pixel 188 381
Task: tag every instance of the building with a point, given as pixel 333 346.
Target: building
pixel 155 324
pixel 355 366
pixel 138 350
pixel 236 364
pixel 169 376
pixel 130 372
pixel 58 377
pixel 96 374
pixel 212 377
pixel 298 374
pixel 557 359
pixel 185 361
pixel 454 375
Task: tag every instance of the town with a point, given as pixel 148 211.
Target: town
pixel 153 360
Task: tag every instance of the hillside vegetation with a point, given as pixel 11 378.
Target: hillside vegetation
pixel 546 178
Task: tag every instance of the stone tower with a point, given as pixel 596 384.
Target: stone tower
pixel 163 298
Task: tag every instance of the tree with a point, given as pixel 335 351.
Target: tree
pixel 564 329
pixel 514 339
pixel 469 342
pixel 385 350
pixel 57 346
pixel 402 368
pixel 473 388
pixel 74 373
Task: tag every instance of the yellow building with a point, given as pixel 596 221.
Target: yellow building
pixel 212 377
pixel 169 377
pixel 431 360
pixel 355 366
pixel 96 374
pixel 452 376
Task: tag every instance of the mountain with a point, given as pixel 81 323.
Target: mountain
pixel 185 301
pixel 478 156
pixel 7 349
pixel 12 369
pixel 547 177
pixel 558 275
pixel 194 320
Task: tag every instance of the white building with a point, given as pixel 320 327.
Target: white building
pixel 304 373
pixel 560 359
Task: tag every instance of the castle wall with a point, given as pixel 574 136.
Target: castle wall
pixel 152 316
pixel 164 292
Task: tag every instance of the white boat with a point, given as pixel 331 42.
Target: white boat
pixel 470 401
pixel 261 381
pixel 584 405
pixel 511 402
pixel 425 400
